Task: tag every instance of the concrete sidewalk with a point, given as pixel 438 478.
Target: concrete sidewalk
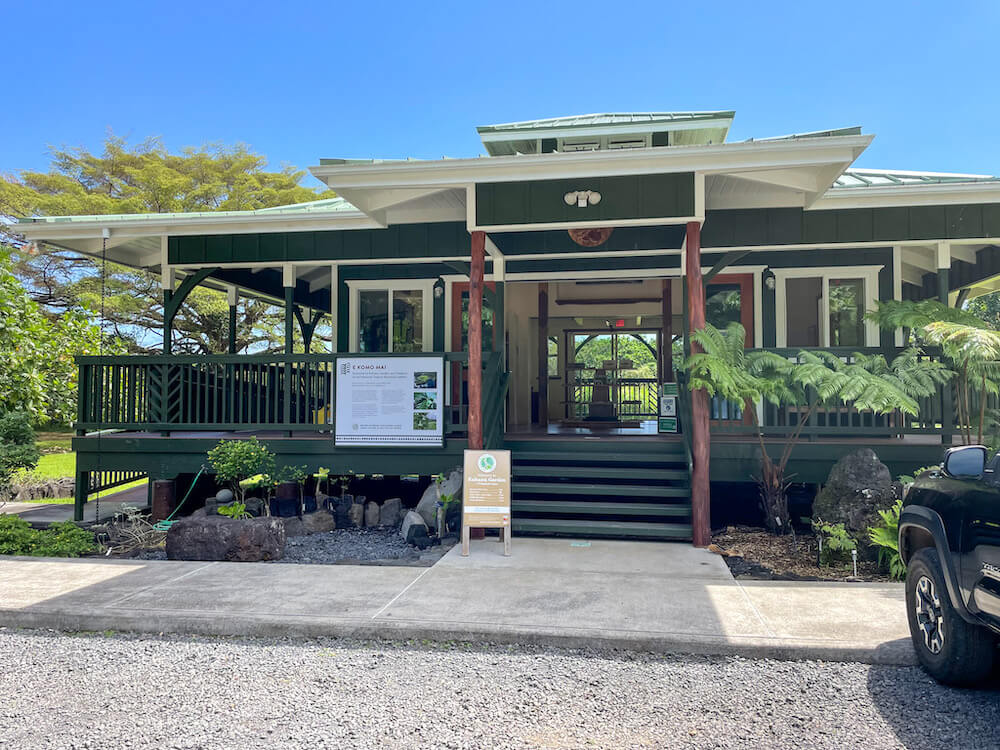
pixel 634 595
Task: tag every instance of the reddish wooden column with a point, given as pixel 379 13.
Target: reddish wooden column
pixel 700 441
pixel 476 341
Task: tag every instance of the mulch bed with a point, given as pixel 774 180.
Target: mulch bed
pixel 754 553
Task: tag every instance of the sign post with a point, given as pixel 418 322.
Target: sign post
pixel 486 495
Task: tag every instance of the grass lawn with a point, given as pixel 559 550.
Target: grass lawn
pixel 58 461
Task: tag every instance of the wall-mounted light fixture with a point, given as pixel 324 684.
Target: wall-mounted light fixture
pixel 769 279
pixel 582 198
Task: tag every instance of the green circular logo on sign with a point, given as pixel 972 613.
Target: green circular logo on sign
pixel 487 463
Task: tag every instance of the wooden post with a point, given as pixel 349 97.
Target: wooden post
pixel 167 321
pixel 164 499
pixel 80 494
pixel 700 442
pixel 667 338
pixel 543 355
pixel 476 270
pixel 232 296
pixel 289 349
pixel 944 287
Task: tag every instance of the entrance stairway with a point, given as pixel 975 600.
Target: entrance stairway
pixel 608 488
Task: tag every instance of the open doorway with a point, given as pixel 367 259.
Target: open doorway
pixel 612 376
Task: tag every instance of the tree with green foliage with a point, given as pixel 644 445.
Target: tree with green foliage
pixel 811 380
pixel 38 374
pixel 17 449
pixel 146 178
pixel 969 344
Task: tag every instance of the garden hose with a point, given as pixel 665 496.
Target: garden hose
pixel 166 523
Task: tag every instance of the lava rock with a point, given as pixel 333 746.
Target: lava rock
pixel 310 523
pixel 356 515
pixel 417 536
pixel 371 513
pixel 391 512
pixel 220 538
pixel 410 520
pixel 427 507
pixel 858 487
pixel 224 496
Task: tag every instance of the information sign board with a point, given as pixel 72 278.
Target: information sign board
pixel 389 401
pixel 486 494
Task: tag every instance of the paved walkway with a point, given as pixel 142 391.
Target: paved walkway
pixel 44 513
pixel 636 595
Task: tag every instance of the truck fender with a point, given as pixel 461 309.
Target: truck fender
pixel 929 521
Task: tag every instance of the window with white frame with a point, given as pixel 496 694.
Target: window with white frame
pixel 392 316
pixel 822 307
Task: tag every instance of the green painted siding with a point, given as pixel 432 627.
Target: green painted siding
pixel 793 226
pixel 437 239
pixel 667 237
pixel 629 197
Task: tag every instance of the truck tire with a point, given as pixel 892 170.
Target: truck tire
pixel 951 650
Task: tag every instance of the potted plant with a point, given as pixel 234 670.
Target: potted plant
pixel 287 500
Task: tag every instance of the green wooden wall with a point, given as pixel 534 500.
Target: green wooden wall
pixel 628 197
pixel 436 239
pixel 793 226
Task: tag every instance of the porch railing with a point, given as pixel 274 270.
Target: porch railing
pixel 285 392
pixel 836 421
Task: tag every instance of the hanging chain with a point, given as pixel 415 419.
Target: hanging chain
pixel 100 350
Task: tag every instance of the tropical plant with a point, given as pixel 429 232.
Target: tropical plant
pixel 835 542
pixel 885 537
pixel 911 478
pixel 234 510
pixel 969 345
pixel 236 461
pixel 723 367
pixel 322 477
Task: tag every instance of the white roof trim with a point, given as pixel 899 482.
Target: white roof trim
pixel 715 158
pixel 909 195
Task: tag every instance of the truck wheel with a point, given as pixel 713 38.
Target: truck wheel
pixel 949 648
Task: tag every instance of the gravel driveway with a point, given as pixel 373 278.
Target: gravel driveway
pixel 121 691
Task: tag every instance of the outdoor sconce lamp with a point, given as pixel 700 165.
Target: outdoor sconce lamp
pixel 438 291
pixel 769 280
pixel 582 198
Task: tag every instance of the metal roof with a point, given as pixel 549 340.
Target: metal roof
pixel 326 205
pixel 607 118
pixel 865 178
pixel 854 130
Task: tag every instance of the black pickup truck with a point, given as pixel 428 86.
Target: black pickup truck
pixel 949 538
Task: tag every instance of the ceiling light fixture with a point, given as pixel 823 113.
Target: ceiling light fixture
pixel 582 198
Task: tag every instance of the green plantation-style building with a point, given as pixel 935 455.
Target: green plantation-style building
pixel 564 266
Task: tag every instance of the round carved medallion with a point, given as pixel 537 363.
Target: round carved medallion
pixel 591 237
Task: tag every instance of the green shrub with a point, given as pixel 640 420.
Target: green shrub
pixel 236 460
pixel 885 536
pixel 17 448
pixel 836 543
pixel 64 539
pixel 237 511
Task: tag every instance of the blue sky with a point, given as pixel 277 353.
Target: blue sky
pixel 303 81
